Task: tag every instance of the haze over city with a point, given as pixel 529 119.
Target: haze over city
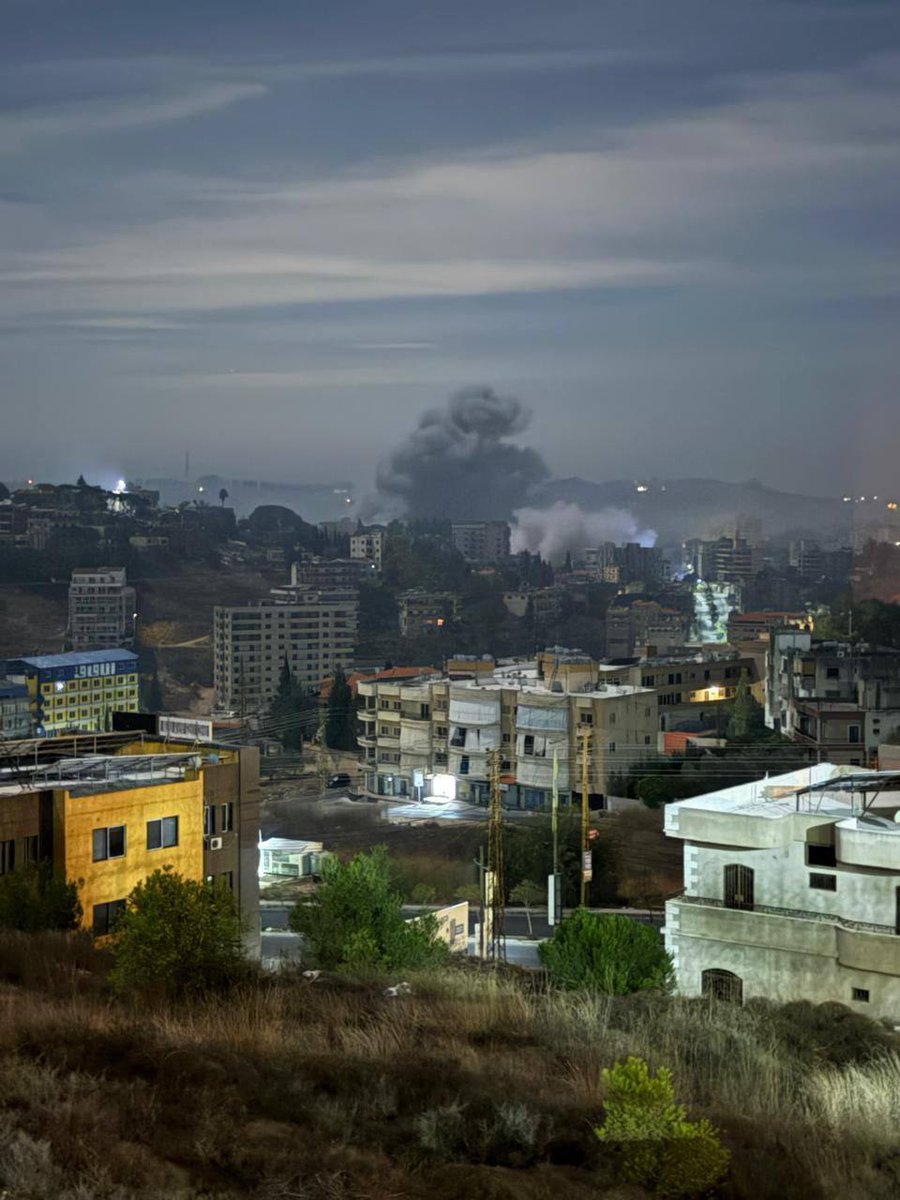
pixel 277 234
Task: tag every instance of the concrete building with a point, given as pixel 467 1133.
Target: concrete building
pixel 79 690
pixel 626 563
pixel 632 625
pixel 791 890
pixel 109 810
pixel 481 541
pixel 433 738
pixel 754 626
pixel 102 609
pixel 315 631
pixel 544 604
pixel 15 710
pixel 420 611
pixel 838 698
pixel 368 545
pixel 326 573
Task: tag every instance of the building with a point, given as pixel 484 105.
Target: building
pixel 79 690
pixel 326 573
pixel 15 710
pixel 433 738
pixel 633 625
pixel 109 810
pixel 314 631
pixel 627 563
pixel 368 545
pixel 101 609
pixel 753 626
pixel 841 699
pixel 791 890
pixel 420 611
pixel 544 604
pixel 481 541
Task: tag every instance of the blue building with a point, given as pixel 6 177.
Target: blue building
pixel 15 710
pixel 77 691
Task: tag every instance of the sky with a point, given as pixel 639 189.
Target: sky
pixel 275 233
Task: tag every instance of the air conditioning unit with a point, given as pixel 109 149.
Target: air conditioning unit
pixel 215 843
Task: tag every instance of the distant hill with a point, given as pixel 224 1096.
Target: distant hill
pixel 680 508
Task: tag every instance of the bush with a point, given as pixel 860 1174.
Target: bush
pixel 611 954
pixel 355 923
pixel 177 936
pixel 34 899
pixel 660 1148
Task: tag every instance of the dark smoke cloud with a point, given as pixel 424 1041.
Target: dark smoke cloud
pixel 459 463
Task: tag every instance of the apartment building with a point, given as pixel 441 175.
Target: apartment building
pixel 368 546
pixel 543 604
pixel 420 611
pixel 632 625
pixel 78 690
pixel 481 541
pixel 110 809
pixel 433 738
pixel 326 573
pixel 102 609
pixel 314 630
pixel 838 698
pixel 695 690
pixel 15 710
pixel 791 890
pixel 626 563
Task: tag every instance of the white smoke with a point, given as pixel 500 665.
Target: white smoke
pixel 553 532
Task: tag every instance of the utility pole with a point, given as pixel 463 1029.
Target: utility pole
pixel 554 883
pixel 586 872
pixel 494 883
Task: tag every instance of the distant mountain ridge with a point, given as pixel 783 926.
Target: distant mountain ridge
pixel 683 508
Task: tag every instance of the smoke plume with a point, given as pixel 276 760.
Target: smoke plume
pixel 554 531
pixel 459 463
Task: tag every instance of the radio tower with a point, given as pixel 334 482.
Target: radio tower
pixel 494 884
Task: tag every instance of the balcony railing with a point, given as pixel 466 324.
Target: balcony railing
pixel 798 913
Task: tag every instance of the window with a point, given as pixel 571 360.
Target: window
pixel 30 849
pixel 722 985
pixel 738 886
pixel 611 719
pixel 611 747
pixel 853 734
pixel 464 765
pixel 833 673
pixel 825 883
pixel 7 857
pixel 226 812
pixel 162 833
pixel 820 856
pixel 860 994
pixel 209 820
pixel 647 740
pixel 109 843
pixel 106 915
pixel 586 718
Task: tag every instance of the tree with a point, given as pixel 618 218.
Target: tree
pixel 747 722
pixel 528 893
pixel 610 954
pixel 223 496
pixel 656 790
pixel 340 718
pixel 355 922
pixel 177 937
pixel 288 710
pixel 33 898
pixel 660 1148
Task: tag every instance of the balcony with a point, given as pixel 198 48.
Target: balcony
pixel 868 842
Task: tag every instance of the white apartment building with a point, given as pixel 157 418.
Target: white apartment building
pixel 481 541
pixel 415 737
pixel 314 630
pixel 791 890
pixel 101 609
pixel 368 546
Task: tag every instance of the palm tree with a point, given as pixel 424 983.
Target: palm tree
pixel 223 496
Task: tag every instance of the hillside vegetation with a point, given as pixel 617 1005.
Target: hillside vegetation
pixel 477 1084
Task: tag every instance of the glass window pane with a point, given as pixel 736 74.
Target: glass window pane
pixel 154 835
pixel 99 848
pixel 116 841
pixel 170 831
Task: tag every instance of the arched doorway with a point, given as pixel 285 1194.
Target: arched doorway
pixel 723 985
pixel 738 886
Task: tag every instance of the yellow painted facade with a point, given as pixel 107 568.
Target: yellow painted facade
pixel 83 703
pixel 75 819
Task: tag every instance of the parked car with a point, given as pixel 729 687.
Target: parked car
pixel 338 781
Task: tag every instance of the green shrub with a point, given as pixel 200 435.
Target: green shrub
pixel 34 899
pixel 177 936
pixel 660 1148
pixel 611 954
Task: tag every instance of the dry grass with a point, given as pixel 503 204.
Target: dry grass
pixel 475 1085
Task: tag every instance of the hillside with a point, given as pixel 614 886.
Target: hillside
pixel 473 1086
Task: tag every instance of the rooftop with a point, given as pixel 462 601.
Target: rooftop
pixel 46 662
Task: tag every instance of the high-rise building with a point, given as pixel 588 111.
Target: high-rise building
pixel 101 609
pixel 15 710
pixel 481 541
pixel 78 690
pixel 314 630
pixel 368 545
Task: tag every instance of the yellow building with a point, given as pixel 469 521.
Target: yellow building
pixel 78 690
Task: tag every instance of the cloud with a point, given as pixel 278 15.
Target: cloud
pixel 124 112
